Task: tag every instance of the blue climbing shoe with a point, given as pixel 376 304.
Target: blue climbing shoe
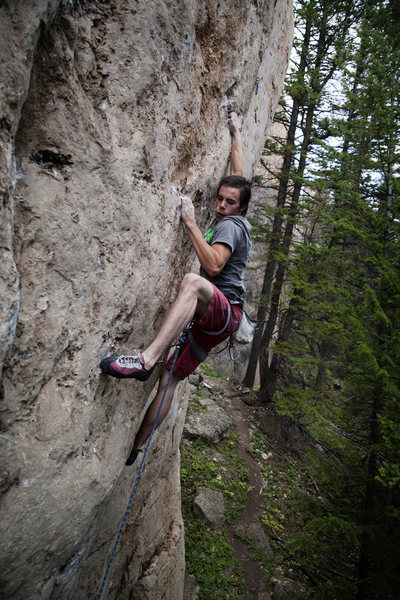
pixel 126 366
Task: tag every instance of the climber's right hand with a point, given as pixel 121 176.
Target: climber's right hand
pixel 233 123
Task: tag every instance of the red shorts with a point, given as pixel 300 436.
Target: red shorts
pixel 213 319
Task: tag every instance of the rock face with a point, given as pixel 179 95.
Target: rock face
pixel 106 109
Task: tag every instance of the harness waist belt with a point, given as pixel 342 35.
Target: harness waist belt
pixel 200 353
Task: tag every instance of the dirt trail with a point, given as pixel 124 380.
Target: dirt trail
pixel 230 397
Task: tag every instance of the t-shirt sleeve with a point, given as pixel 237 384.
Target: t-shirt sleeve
pixel 226 232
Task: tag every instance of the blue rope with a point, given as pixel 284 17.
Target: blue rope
pixel 178 344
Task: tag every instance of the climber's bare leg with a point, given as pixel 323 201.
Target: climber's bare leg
pixel 193 298
pixel 149 418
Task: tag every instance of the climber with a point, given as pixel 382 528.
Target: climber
pixel 204 299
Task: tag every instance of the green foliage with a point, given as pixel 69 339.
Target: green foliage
pixel 301 496
pixel 257 179
pixel 208 554
pixel 211 372
pixel 338 359
pixel 195 403
pixel 213 562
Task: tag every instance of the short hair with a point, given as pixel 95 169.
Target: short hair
pixel 240 183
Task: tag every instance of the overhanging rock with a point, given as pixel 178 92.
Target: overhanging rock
pixel 106 110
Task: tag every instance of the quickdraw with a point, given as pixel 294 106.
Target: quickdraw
pixel 256 101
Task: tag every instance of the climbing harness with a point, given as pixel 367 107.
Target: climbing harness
pixel 256 100
pixel 178 345
pixel 242 335
pixel 200 353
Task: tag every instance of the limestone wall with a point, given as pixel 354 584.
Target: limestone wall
pixel 106 109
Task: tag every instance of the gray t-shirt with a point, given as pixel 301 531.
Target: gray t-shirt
pixel 233 231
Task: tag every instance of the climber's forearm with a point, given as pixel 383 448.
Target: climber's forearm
pixel 236 155
pixel 236 149
pixel 212 258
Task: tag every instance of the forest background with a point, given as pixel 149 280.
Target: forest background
pixel 328 345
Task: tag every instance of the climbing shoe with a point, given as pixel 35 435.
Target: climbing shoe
pixel 126 366
pixel 133 456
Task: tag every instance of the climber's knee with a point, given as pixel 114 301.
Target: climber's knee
pixel 195 283
pixel 198 286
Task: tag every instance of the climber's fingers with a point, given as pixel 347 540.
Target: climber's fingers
pixel 233 122
pixel 188 215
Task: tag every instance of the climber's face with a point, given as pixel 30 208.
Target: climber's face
pixel 228 202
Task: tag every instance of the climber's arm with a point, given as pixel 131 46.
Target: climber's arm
pixel 236 150
pixel 212 258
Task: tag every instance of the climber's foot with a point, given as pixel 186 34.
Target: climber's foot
pixel 126 366
pixel 133 456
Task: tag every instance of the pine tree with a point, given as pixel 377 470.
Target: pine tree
pixel 335 364
pixel 324 26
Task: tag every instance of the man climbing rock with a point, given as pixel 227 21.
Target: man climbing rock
pixel 211 301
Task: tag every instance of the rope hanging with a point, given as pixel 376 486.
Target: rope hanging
pixel 178 345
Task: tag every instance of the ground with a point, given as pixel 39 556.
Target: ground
pixel 241 415
pixel 239 564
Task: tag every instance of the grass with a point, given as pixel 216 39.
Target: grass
pixel 296 518
pixel 195 403
pixel 211 372
pixel 209 556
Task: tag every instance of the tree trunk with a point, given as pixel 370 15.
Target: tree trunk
pixel 275 239
pixel 306 97
pixel 272 373
pixel 269 329
pixel 274 245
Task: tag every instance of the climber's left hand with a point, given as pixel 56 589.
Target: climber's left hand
pixel 188 216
